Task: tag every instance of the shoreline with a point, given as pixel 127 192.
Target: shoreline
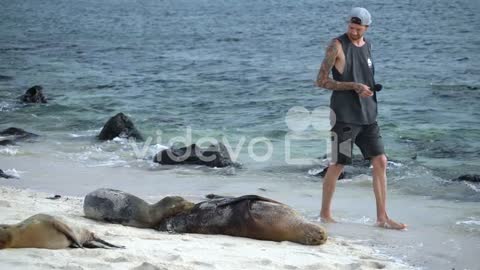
pixel 171 251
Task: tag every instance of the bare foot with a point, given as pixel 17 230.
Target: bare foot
pixel 390 224
pixel 327 220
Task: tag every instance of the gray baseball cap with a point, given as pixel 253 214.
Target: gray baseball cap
pixel 360 16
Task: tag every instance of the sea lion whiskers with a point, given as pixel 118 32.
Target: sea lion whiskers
pixel 314 235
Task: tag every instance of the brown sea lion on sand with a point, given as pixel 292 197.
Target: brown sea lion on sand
pixel 45 231
pixel 116 206
pixel 249 216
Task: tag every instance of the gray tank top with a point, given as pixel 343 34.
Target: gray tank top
pixel 348 106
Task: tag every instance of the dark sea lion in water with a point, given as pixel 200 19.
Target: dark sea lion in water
pixel 15 134
pixel 116 206
pixel 34 95
pixel 12 135
pixel 249 216
pixel 121 126
pixel 45 231
pixel 215 155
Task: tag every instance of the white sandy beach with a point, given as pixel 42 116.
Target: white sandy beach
pixel 150 249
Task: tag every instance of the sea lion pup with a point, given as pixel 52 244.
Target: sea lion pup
pixel 116 206
pixel 249 216
pixel 45 231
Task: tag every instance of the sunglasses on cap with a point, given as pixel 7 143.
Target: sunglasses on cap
pixel 356 20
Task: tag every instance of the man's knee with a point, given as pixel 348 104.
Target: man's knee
pixel 336 166
pixel 379 161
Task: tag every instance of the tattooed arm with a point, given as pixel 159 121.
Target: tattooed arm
pixel 324 80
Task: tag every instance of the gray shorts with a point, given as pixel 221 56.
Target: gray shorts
pixel 366 137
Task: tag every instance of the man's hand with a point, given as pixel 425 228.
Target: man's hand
pixel 363 90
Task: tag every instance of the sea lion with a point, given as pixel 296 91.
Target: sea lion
pixel 45 231
pixel 116 206
pixel 13 134
pixel 34 95
pixel 119 126
pixel 216 155
pixel 249 216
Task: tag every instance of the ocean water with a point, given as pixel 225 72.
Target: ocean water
pixel 233 71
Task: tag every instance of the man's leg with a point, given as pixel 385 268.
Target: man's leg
pixel 379 164
pixel 329 182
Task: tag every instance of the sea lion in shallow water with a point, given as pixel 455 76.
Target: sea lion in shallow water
pixel 119 126
pixel 34 95
pixel 249 216
pixel 45 231
pixel 116 206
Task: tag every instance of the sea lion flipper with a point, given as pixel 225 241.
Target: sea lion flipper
pixel 247 197
pixel 105 243
pixel 64 229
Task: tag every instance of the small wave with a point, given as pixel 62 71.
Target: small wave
pixel 468 222
pixel 5 78
pixel 111 163
pixel 13 172
pixel 7 107
pixel 229 39
pixel 315 171
pixel 474 187
pixel 394 164
pixel 105 86
pixel 6 49
pixel 73 135
pixel 455 87
pixel 10 151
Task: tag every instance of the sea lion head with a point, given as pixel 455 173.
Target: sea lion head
pixel 5 236
pixel 170 206
pixel 314 234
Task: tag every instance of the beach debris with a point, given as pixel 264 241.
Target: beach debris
pixel 216 155
pixel 34 95
pixel 119 126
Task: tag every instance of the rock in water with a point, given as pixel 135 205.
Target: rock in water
pixel 469 178
pixel 119 126
pixel 34 95
pixel 4 175
pixel 213 156
pixel 12 134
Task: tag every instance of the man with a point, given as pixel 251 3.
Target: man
pixel 354 104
